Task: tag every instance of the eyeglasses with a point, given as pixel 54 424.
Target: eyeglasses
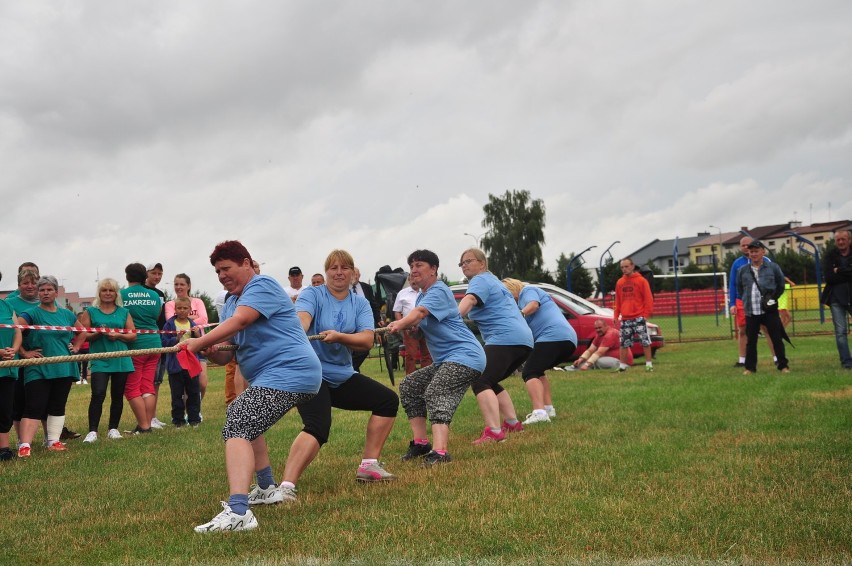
pixel 466 261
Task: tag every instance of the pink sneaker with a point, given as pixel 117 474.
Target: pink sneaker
pixel 488 436
pixel 517 427
pixel 56 446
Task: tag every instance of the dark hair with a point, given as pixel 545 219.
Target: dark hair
pixel 230 250
pixel 28 265
pixel 135 273
pixel 185 277
pixel 423 255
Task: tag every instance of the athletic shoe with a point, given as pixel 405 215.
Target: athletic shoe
pixel 488 436
pixel 84 381
pixel 6 454
pixel 24 451
pixel 416 451
pixel 114 434
pixel 517 427
pixel 68 434
pixel 619 369
pixel 747 372
pixel 739 365
pixel 91 437
pixel 157 423
pixel 649 369
pixel 140 430
pixel 227 520
pixel 433 458
pixel 551 412
pixel 373 472
pixel 56 446
pixel 534 417
pixel 785 370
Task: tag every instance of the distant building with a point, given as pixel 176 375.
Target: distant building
pixel 660 253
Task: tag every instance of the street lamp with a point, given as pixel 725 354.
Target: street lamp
pixel 720 242
pixel 477 238
pixel 579 260
pixel 601 282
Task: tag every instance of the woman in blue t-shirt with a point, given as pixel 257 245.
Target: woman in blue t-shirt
pixel 458 360
pixel 345 322
pixel 278 363
pixel 508 343
pixel 555 342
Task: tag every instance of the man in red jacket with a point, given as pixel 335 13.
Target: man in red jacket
pixel 633 306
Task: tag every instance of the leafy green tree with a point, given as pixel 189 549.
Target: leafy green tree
pixel 212 315
pixel 515 235
pixel 581 281
pixel 799 267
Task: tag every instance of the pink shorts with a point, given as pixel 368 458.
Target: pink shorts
pixel 141 380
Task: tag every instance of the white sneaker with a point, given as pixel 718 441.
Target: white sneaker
pixel 91 437
pixel 227 520
pixel 551 412
pixel 271 495
pixel 114 434
pixel 535 417
pixel 157 423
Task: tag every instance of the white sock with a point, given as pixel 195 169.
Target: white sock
pixel 54 427
pixel 291 485
pixel 623 366
pixel 742 359
pixel 548 407
pixel 368 461
pixel 540 412
pixel 649 364
pixel 774 358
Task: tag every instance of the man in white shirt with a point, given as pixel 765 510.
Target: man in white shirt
pixel 295 276
pixel 414 341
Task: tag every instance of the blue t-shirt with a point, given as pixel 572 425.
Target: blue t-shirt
pixel 497 314
pixel 548 324
pixel 447 336
pixel 350 315
pixel 144 305
pixel 274 350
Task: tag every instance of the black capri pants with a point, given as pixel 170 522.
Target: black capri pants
pixel 7 396
pixel 500 362
pixel 358 393
pixel 46 397
pixel 546 355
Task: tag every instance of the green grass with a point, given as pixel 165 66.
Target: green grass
pixel 691 463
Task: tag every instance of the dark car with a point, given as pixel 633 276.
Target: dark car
pixel 581 315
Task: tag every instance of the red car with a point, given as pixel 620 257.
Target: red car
pixel 581 315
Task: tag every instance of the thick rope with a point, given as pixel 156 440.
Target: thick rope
pixel 120 354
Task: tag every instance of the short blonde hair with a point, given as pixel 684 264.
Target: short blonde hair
pixel 339 256
pixel 107 283
pixel 477 254
pixel 514 285
pixel 183 300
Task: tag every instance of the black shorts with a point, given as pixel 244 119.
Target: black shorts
pixel 546 355
pixel 500 363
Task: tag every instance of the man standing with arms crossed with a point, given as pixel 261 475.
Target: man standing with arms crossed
pixel 633 305
pixel 837 272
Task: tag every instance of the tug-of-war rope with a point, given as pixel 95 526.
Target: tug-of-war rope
pixel 121 354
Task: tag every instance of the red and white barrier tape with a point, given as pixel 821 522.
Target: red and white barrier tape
pixel 98 330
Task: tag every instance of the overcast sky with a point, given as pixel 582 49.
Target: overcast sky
pixel 150 131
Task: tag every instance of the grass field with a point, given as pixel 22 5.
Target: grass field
pixel 692 463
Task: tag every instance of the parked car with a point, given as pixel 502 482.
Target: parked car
pixel 581 315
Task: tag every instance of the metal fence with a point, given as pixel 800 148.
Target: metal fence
pixel 690 315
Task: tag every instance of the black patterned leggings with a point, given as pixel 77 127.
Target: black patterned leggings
pixel 436 391
pixel 256 409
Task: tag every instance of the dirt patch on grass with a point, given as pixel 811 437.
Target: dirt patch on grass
pixel 845 393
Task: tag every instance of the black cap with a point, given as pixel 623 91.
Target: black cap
pixel 756 244
pixel 295 271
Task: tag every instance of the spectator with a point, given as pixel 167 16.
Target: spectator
pixel 760 284
pixel 633 305
pixel 317 279
pixel 837 272
pixel 153 276
pixel 182 384
pixel 197 313
pixel 108 312
pixel 295 277
pixel 10 342
pixel 599 354
pixel 416 349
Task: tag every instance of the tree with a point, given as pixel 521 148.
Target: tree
pixel 212 315
pixel 799 267
pixel 581 281
pixel 515 235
